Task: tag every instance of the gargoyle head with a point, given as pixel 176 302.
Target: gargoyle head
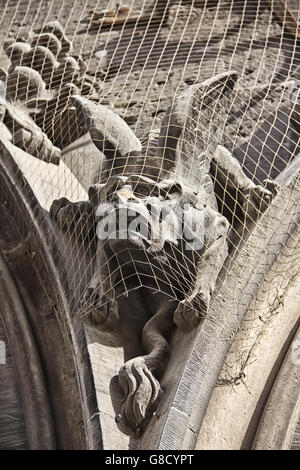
pixel 138 211
pixel 138 199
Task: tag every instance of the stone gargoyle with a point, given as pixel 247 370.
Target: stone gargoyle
pixel 147 282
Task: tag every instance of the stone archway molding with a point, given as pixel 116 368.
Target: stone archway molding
pixel 52 369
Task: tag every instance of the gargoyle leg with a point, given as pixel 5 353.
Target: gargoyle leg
pixel 230 173
pixel 251 200
pixel 75 227
pixel 99 298
pixel 155 332
pixel 136 391
pixel 230 170
pixel 190 310
pixel 74 216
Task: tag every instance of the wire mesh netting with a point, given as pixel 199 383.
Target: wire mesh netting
pixel 185 112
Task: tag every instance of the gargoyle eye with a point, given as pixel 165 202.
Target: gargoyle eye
pixel 174 189
pixel 142 190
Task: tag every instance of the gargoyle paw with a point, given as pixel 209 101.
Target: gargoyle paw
pixel 261 196
pixel 189 311
pixel 56 206
pixel 65 213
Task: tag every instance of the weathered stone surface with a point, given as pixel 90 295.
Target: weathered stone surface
pixel 17 51
pixel 256 272
pixel 38 321
pixel 83 161
pixel 192 128
pixel 38 58
pixel 282 411
pixel 270 311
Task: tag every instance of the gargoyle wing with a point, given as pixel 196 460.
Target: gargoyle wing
pixel 192 127
pixel 109 132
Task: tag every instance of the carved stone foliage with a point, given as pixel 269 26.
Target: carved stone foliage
pixel 161 237
pixel 37 88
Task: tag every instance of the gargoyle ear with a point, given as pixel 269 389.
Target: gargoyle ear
pixel 175 188
pixel 196 119
pixel 108 131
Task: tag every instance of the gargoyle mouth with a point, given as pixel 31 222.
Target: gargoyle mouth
pixel 131 222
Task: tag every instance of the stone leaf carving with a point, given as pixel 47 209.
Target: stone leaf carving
pixel 143 286
pixel 40 81
pixel 42 60
pixel 26 134
pixel 55 28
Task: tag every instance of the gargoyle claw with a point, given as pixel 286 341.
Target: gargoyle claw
pixel 135 394
pixel 271 186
